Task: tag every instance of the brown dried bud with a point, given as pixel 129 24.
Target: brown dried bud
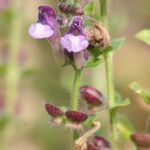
pixel 98 35
pixel 142 140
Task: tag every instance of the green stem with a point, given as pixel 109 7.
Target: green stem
pixel 74 99
pixel 110 93
pixel 103 11
pixel 109 78
pixel 76 84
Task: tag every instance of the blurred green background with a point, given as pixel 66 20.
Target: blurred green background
pixel 29 74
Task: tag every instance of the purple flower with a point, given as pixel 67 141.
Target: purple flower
pixel 44 27
pixel 75 39
pixel 47 27
pixel 40 31
pixel 74 43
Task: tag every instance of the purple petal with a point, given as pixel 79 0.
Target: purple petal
pixel 40 31
pixel 74 43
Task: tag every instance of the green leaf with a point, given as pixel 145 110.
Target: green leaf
pixel 94 62
pixel 142 92
pixel 144 36
pixel 118 102
pixel 124 126
pixel 96 51
pixel 115 45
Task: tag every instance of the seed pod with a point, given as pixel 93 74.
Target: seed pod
pixel 76 116
pixel 92 96
pixel 141 140
pixel 98 35
pixel 53 110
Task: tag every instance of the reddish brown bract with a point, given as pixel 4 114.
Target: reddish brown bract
pixel 53 110
pixel 76 116
pixel 91 95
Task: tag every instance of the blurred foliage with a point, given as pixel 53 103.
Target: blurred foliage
pixel 142 92
pixel 125 127
pixel 144 36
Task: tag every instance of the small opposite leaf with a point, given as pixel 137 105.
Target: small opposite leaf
pixel 94 62
pixel 142 92
pixel 115 45
pixel 144 36
pixel 118 102
pixel 125 127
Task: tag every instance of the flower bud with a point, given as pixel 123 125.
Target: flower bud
pixel 53 110
pixel 76 116
pixel 92 96
pixel 142 140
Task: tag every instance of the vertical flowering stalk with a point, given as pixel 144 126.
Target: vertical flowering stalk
pixel 75 42
pixel 109 77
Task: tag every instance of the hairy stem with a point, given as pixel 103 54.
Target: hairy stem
pixel 76 84
pixel 74 99
pixel 109 78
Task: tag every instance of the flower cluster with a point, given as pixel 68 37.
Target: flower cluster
pixel 71 47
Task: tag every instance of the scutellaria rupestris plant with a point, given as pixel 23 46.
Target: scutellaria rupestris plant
pixel 83 41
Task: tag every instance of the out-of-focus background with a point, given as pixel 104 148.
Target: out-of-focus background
pixel 29 75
